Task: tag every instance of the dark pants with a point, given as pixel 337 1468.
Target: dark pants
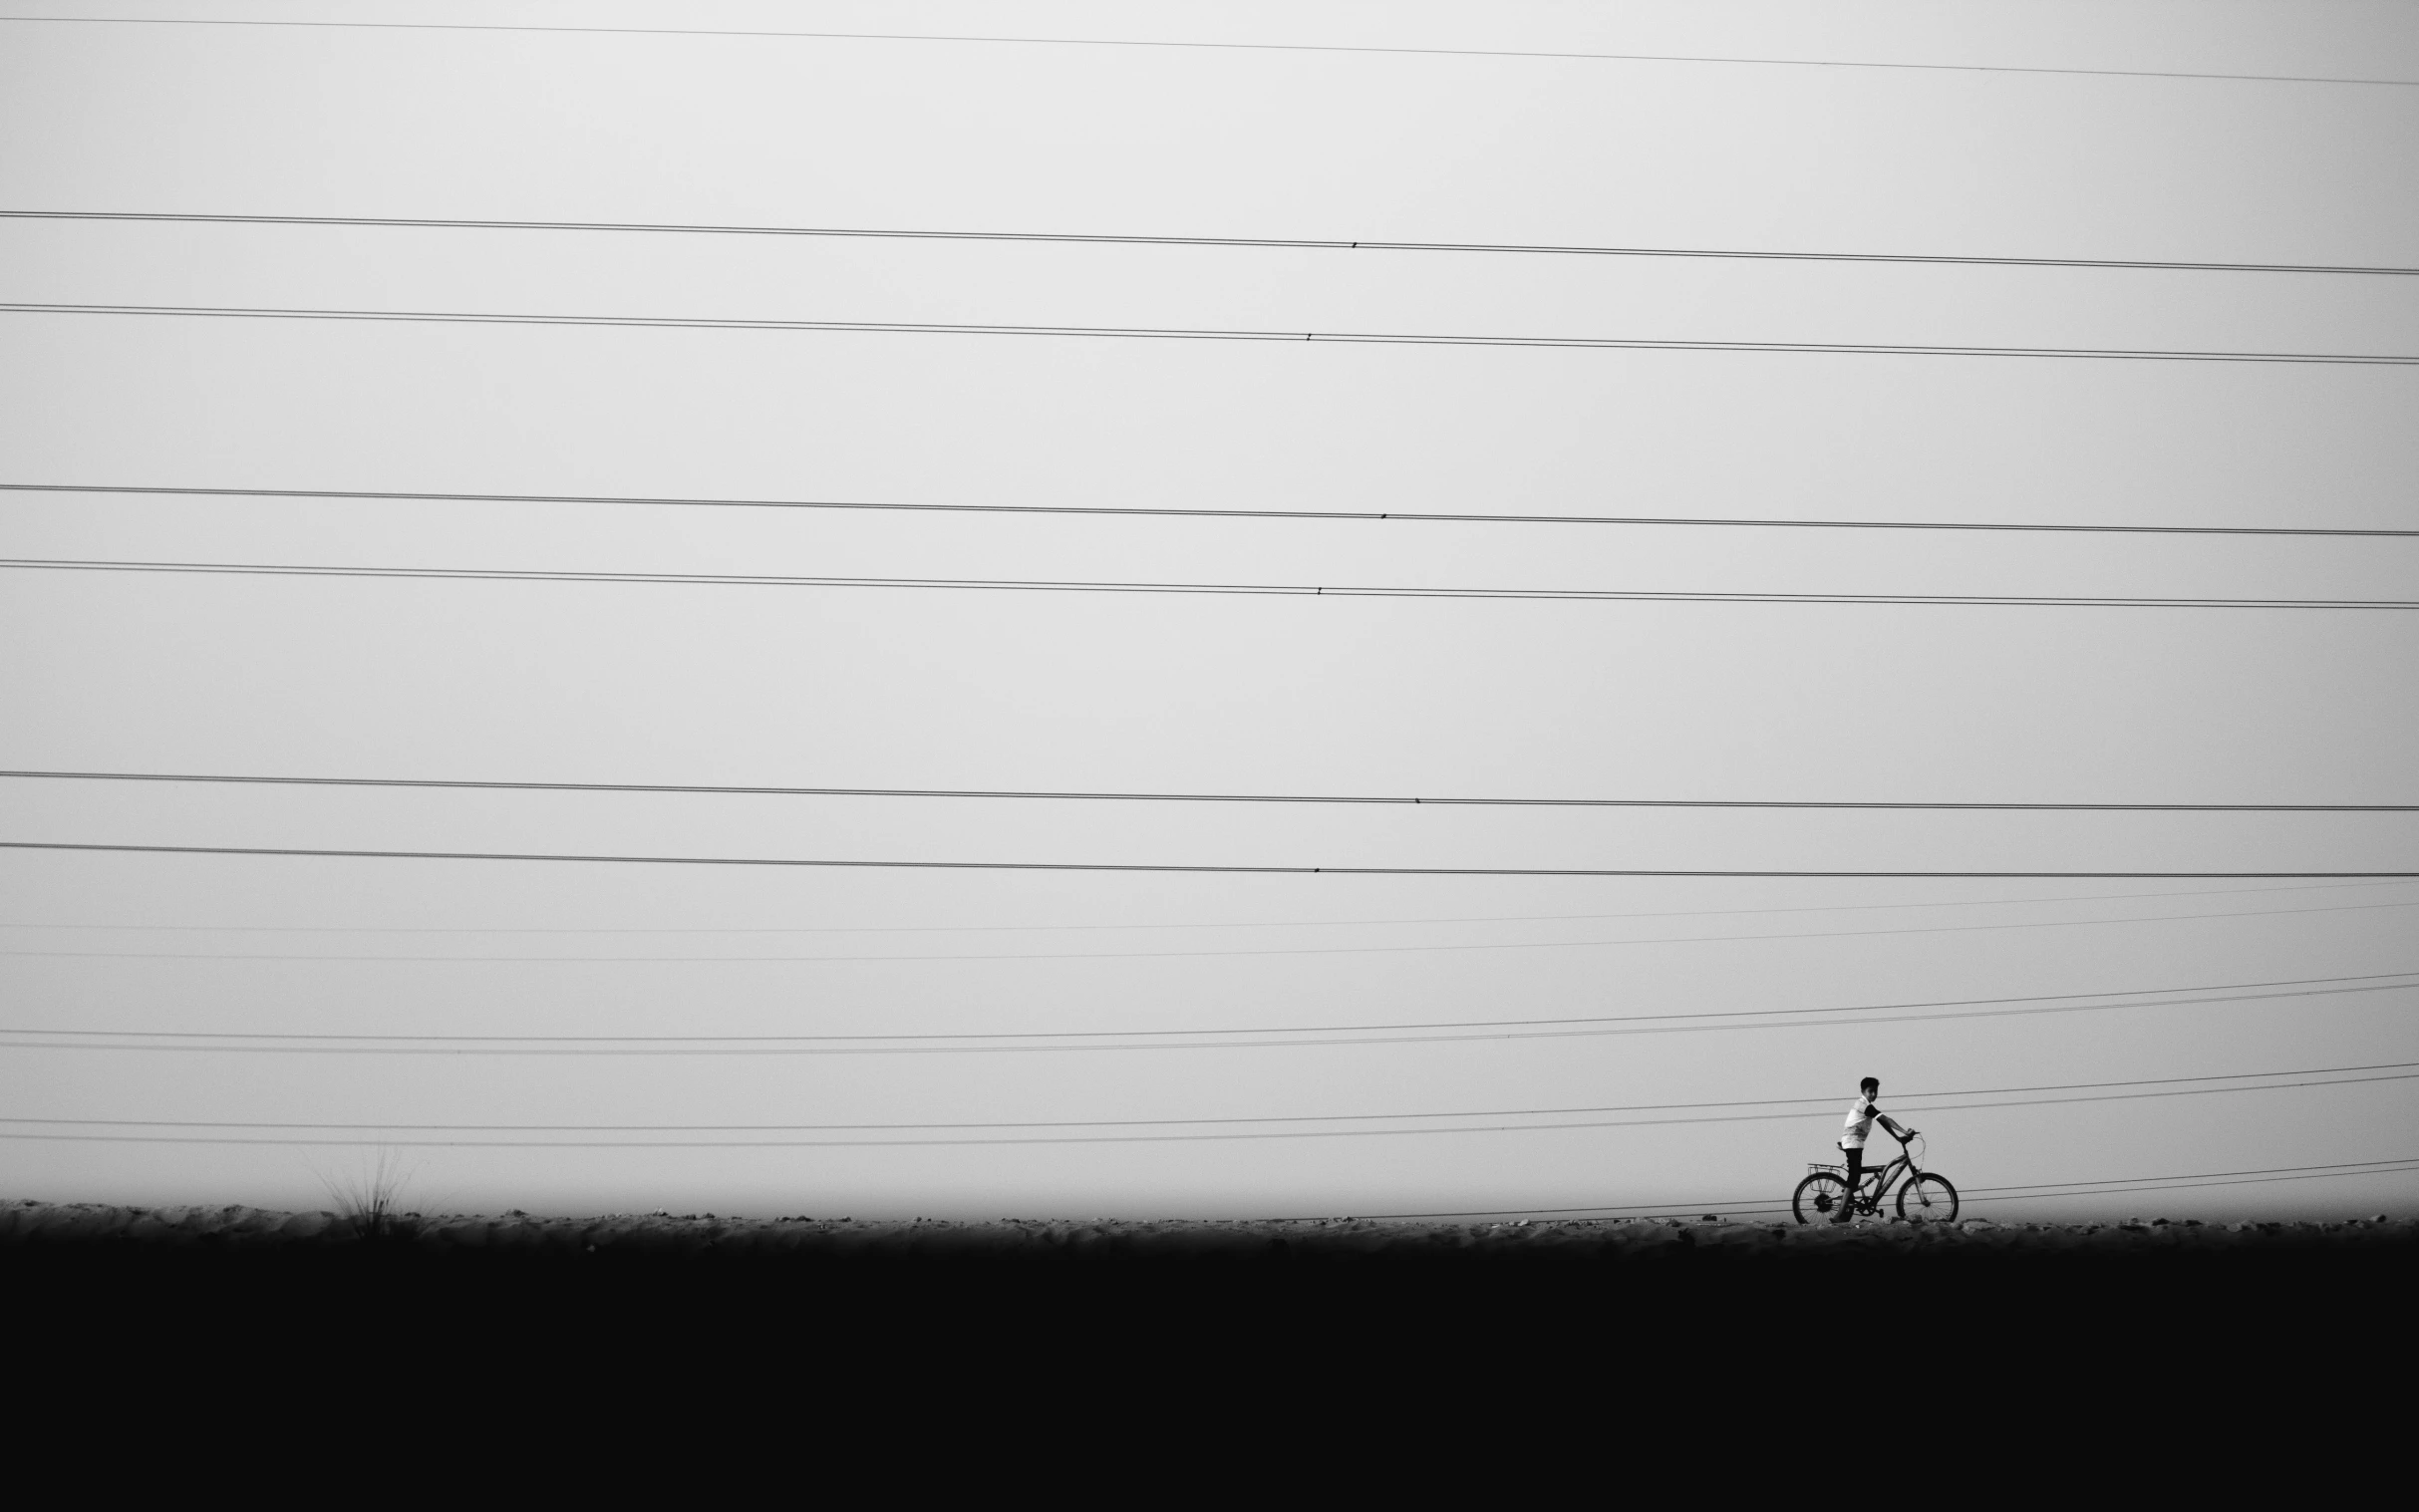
pixel 1856 1173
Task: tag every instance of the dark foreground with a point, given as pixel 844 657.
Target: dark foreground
pixel 2240 1280
pixel 1588 1329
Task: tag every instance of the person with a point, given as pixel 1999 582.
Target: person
pixel 1861 1116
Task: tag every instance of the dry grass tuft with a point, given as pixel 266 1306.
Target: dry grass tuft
pixel 371 1204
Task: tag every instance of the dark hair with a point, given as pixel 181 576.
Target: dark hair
pixel 1870 1083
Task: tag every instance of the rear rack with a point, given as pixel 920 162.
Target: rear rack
pixel 1841 1166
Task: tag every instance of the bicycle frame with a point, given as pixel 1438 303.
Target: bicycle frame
pixel 1881 1182
pixel 1903 1174
pixel 1876 1183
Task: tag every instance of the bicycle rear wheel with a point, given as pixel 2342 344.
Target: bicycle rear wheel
pixel 1929 1199
pixel 1819 1198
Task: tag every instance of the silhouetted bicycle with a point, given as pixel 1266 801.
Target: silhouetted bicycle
pixel 1923 1196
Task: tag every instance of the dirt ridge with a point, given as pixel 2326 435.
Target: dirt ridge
pixel 27 1223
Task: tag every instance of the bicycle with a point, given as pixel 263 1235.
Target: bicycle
pixel 1923 1197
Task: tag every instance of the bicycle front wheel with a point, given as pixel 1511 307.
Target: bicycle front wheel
pixel 1929 1199
pixel 1819 1198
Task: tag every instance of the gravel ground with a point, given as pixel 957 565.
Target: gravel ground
pixel 28 1224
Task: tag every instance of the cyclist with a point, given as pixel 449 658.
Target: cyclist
pixel 1861 1114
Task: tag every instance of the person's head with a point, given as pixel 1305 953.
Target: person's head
pixel 1870 1086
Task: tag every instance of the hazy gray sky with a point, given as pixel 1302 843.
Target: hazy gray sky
pixel 813 686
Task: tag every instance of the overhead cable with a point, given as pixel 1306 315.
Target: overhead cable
pixel 1458 948
pixel 1156 333
pixel 1245 47
pixel 1284 243
pixel 2112 1186
pixel 492 784
pixel 1237 1038
pixel 1190 924
pixel 1179 513
pixel 1198 590
pixel 1820 1103
pixel 1263 870
pixel 412 1139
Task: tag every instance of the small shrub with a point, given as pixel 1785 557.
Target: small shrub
pixel 371 1205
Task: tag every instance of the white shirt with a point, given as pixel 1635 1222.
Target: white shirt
pixel 1861 1114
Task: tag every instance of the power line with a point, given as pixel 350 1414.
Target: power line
pixel 1413 1033
pixel 1253 47
pixel 1823 1105
pixel 1687 521
pixel 2083 1189
pixel 1183 1138
pixel 1165 954
pixel 492 784
pixel 1284 243
pixel 1154 332
pixel 928 929
pixel 1161 866
pixel 2122 1184
pixel 1198 590
pixel 2379 981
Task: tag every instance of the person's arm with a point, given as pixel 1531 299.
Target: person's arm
pixel 1898 1130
